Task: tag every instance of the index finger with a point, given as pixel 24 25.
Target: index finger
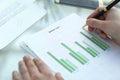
pixel 93 14
pixel 33 70
pixel 43 68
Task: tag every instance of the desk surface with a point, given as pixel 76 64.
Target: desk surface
pixel 12 54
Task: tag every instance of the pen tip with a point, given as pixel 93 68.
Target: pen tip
pixel 85 25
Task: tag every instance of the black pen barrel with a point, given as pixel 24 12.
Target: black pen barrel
pixel 112 4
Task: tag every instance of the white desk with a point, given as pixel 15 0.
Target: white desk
pixel 12 54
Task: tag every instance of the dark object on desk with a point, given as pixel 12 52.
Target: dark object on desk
pixel 117 5
pixel 93 4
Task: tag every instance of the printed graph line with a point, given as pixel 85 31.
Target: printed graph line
pixel 96 41
pixel 62 62
pixel 79 58
pixel 89 50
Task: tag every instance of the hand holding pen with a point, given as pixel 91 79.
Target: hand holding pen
pixel 106 24
pixel 104 10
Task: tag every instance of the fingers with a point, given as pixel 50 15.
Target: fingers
pixel 24 71
pixel 15 75
pixel 90 28
pixel 42 67
pixel 99 24
pixel 101 34
pixel 32 69
pixel 58 76
pixel 101 27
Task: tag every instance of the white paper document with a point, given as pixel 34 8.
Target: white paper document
pixel 68 48
pixel 17 17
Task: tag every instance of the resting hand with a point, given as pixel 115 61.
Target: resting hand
pixel 34 69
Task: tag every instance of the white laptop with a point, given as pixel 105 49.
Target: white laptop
pixel 16 16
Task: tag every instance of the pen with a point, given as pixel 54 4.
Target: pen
pixel 107 8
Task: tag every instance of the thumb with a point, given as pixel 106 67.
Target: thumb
pixel 95 23
pixel 58 76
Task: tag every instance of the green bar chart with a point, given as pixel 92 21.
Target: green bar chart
pixel 77 56
pixel 88 49
pixel 69 62
pixel 91 47
pixel 96 41
pixel 65 63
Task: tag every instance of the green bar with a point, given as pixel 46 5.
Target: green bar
pixel 68 65
pixel 69 62
pixel 92 48
pixel 53 57
pixel 77 58
pixel 80 45
pixel 98 44
pixel 101 42
pixel 85 35
pixel 93 52
pixel 74 54
pixel 59 62
pixel 68 48
pixel 83 57
pixel 94 41
pixel 87 50
pixel 105 45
